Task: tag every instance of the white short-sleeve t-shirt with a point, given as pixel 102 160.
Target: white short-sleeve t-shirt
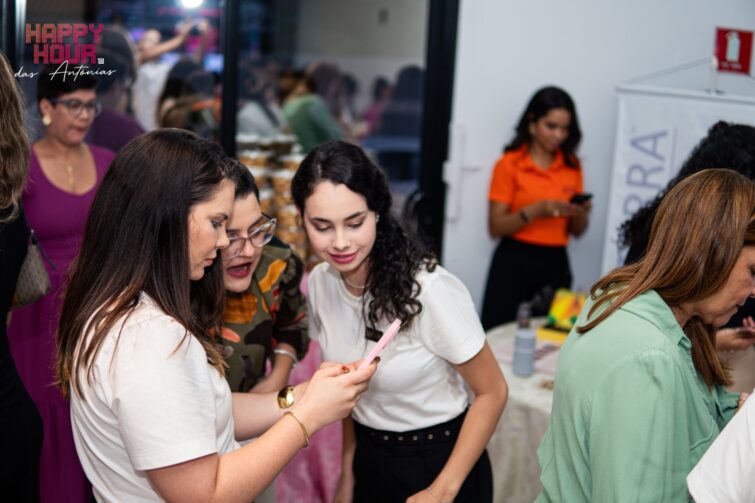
pixel 415 385
pixel 726 472
pixel 154 401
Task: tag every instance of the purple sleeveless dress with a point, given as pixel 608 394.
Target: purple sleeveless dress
pixel 58 219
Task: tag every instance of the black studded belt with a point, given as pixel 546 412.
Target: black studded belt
pixel 438 433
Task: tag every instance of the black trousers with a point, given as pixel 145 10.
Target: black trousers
pixel 518 272
pixel 390 466
pixel 20 449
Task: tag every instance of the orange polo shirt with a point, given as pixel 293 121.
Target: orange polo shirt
pixel 518 181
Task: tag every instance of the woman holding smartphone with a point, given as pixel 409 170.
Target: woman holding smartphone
pixel 153 417
pixel 414 436
pixel 530 209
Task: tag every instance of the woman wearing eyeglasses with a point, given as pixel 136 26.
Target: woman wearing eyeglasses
pixel 64 174
pixel 265 314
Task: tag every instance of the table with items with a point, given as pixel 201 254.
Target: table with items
pixel 513 446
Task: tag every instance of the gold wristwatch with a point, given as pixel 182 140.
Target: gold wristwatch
pixel 286 397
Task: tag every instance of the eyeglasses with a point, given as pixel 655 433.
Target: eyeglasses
pixel 259 237
pixel 76 106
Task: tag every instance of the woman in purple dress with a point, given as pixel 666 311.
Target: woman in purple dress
pixel 64 174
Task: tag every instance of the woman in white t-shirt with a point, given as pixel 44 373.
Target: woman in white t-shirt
pixel 413 436
pixel 153 417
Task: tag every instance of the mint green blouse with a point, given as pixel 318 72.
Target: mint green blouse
pixel 631 416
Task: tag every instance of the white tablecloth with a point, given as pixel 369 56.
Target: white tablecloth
pixel 513 446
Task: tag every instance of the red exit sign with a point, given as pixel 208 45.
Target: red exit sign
pixel 733 50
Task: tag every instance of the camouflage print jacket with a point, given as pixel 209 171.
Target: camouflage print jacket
pixel 271 311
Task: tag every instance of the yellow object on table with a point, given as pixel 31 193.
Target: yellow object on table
pixel 550 334
pixel 562 316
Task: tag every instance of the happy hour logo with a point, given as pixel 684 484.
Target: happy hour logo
pixel 55 43
pixel 64 44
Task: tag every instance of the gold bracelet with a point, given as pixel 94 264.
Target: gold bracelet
pixel 303 428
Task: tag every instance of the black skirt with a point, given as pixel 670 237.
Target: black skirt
pixel 391 466
pixel 517 273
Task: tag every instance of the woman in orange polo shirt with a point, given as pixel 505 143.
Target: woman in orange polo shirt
pixel 532 185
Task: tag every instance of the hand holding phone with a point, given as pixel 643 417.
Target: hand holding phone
pixel 388 335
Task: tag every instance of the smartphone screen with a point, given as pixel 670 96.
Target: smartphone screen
pixel 580 198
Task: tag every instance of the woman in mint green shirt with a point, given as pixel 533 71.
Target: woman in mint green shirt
pixel 639 391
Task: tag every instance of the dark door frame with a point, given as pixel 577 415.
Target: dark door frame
pixel 13 16
pixel 440 56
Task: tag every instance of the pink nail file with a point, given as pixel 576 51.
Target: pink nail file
pixel 383 342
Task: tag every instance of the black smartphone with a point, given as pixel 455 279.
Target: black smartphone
pixel 580 198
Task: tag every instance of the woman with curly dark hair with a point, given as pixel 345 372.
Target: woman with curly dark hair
pixel 727 145
pixel 413 437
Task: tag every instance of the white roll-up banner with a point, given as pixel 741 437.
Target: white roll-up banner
pixel 656 131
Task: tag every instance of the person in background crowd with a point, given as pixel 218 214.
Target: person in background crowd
pixel 286 83
pixel 530 208
pixel 20 423
pixel 152 415
pixel 114 127
pixel 311 110
pixel 259 114
pixel 175 85
pixel 152 73
pixel 639 391
pixel 402 115
pixel 729 146
pixel 196 108
pixel 413 436
pixel 348 118
pixel 381 92
pixel 64 174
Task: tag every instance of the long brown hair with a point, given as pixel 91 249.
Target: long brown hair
pixel 137 240
pixel 697 234
pixel 14 144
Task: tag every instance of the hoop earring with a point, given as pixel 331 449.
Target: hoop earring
pixel 377 218
pixel 46 120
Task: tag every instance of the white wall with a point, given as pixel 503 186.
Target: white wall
pixel 507 49
pixel 352 34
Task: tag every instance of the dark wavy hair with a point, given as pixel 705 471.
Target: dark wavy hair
pixel 245 184
pixel 52 83
pixel 730 146
pixel 545 100
pixel 395 258
pixel 137 240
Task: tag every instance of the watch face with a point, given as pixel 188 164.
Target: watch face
pixel 286 397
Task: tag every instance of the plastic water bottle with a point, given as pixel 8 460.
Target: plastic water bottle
pixel 524 343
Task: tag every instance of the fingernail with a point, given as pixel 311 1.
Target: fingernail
pixel 377 359
pixel 344 369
